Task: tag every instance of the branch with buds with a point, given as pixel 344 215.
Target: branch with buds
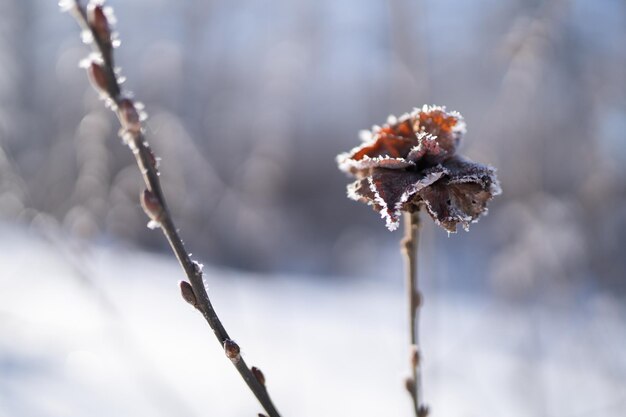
pixel 96 20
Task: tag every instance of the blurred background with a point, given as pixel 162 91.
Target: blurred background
pixel 248 103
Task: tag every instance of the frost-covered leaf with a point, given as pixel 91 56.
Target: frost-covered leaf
pixel 447 127
pixel 400 127
pixel 360 190
pixel 390 191
pixel 428 151
pixel 384 144
pixel 462 170
pixel 462 195
pixel 451 204
pixel 355 167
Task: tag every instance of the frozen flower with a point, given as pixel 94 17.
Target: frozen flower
pixel 411 161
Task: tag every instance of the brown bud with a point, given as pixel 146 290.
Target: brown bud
pixel 409 384
pixel 98 77
pixel 258 375
pixel 187 292
pixel 152 206
pixel 99 23
pixel 423 411
pixel 129 116
pixel 152 160
pixel 232 350
pixel 415 356
pixel 418 299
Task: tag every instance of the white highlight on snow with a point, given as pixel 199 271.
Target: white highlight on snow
pixel 67 354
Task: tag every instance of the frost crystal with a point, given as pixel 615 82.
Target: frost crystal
pixel 86 36
pixel 198 266
pixel 67 5
pixel 410 162
pixel 153 224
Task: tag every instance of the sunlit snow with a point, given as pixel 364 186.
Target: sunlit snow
pixel 107 334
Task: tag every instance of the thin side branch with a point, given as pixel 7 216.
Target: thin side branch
pixel 103 74
pixel 409 250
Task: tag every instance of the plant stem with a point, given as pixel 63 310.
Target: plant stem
pixel 146 162
pixel 409 247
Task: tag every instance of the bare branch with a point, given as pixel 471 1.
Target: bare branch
pixel 103 74
pixel 409 249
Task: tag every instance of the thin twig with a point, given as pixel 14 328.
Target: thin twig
pixel 103 75
pixel 409 249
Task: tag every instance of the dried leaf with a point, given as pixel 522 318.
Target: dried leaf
pixel 428 152
pixel 448 128
pixel 393 189
pixel 462 195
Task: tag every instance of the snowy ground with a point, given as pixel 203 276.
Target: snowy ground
pixel 106 334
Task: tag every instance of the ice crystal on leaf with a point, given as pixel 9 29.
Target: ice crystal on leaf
pixel 411 161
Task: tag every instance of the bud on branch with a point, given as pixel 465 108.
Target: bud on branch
pixel 188 294
pixel 129 116
pixel 152 206
pixel 232 350
pixel 99 23
pixel 98 77
pixel 258 375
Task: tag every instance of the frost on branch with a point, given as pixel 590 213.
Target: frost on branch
pixel 411 161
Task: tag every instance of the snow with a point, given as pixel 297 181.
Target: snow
pixel 103 331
